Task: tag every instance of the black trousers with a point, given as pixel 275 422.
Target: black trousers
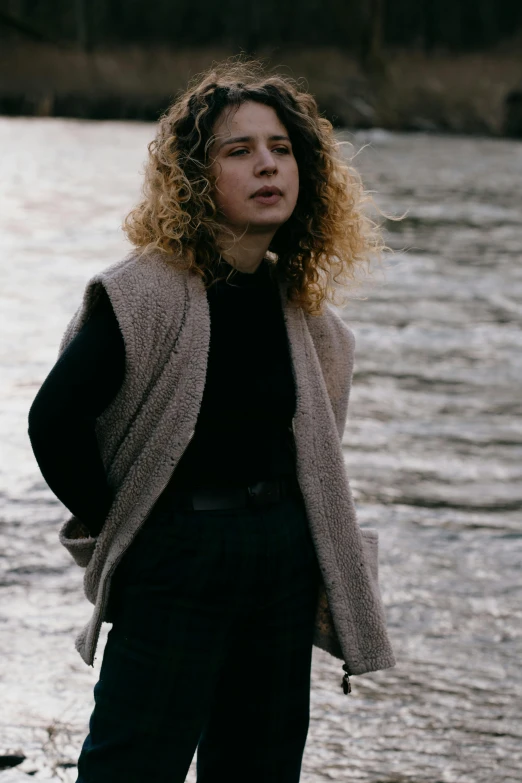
pixel 210 649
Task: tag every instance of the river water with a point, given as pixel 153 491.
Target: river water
pixel 433 448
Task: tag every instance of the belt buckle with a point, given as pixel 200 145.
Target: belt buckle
pixel 263 492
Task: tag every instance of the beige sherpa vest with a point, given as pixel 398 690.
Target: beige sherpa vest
pixel 164 317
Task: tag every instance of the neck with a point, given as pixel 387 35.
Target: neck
pixel 245 253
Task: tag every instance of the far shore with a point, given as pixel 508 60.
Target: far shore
pixel 479 93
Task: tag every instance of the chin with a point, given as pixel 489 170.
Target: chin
pixel 268 220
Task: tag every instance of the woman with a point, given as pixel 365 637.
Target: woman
pixel 193 427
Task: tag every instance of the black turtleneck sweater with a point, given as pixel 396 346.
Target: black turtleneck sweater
pixel 243 432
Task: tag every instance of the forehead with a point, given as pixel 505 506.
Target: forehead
pixel 250 118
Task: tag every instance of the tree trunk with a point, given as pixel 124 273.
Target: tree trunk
pixel 372 50
pixel 80 10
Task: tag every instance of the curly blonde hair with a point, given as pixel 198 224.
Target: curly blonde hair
pixel 328 236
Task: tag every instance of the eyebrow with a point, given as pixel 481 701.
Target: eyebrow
pixel 238 139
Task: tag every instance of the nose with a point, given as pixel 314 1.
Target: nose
pixel 266 163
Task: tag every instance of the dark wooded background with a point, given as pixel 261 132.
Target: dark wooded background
pixel 457 25
pixel 451 65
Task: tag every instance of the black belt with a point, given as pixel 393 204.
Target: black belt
pixel 261 493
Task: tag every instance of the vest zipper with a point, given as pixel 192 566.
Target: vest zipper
pixel 109 575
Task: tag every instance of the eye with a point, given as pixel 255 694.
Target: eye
pixel 284 150
pixel 238 152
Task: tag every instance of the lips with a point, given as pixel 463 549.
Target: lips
pixel 267 191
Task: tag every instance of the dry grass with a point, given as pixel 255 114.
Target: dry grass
pixel 454 93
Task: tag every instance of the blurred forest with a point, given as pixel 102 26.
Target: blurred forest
pixel 453 24
pixel 453 65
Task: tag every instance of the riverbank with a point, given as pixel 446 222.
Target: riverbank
pixel 467 93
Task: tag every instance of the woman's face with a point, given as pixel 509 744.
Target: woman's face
pixel 256 175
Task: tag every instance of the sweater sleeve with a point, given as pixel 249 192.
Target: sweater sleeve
pixel 62 418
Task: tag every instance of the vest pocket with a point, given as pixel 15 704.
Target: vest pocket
pixel 80 546
pixel 371 551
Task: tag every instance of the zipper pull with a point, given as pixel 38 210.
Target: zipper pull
pixel 347 688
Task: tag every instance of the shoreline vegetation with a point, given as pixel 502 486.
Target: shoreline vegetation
pixel 472 93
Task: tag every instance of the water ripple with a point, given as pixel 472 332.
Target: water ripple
pixel 433 449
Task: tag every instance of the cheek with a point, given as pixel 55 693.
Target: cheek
pixel 227 194
pixel 295 182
